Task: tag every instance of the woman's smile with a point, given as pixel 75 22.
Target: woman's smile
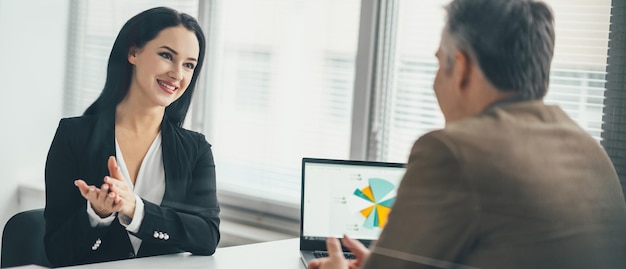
pixel 167 86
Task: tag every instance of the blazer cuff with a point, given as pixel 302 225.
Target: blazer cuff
pixel 97 221
pixel 132 224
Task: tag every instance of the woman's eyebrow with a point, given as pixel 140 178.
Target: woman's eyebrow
pixel 176 53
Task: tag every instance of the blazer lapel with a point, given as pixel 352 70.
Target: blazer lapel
pixel 101 146
pixel 174 161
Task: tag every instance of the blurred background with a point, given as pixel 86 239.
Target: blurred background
pixel 283 80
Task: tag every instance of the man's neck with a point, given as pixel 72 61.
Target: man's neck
pixel 504 101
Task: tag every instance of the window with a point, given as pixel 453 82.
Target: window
pixel 93 28
pixel 281 78
pixel 410 108
pixel 578 70
pixel 284 79
pixel 613 127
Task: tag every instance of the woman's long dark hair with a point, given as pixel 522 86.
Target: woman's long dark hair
pixel 138 31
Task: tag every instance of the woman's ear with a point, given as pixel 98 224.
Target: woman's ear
pixel 132 52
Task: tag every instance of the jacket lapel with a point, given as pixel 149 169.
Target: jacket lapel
pixel 174 162
pixel 101 145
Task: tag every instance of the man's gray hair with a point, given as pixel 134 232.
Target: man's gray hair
pixel 512 41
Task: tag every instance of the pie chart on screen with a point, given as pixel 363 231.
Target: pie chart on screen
pixel 376 193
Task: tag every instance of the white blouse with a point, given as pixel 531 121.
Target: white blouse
pixel 149 185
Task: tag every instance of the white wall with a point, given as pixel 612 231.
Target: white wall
pixel 33 37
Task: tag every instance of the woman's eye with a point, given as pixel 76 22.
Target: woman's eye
pixel 189 65
pixel 166 55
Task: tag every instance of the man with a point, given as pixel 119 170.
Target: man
pixel 510 182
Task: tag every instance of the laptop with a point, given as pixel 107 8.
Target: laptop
pixel 344 197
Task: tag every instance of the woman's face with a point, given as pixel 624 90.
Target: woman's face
pixel 163 67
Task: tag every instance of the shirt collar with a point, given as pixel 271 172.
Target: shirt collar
pixel 506 101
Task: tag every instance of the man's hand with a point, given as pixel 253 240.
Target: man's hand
pixel 359 250
pixel 336 259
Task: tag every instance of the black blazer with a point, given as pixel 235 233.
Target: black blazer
pixel 188 213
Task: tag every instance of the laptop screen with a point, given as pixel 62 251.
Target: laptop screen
pixel 347 197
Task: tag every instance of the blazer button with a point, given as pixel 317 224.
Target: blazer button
pixel 96 245
pixel 161 235
pixel 156 234
pixel 166 236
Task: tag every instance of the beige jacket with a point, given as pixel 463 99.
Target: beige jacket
pixel 518 186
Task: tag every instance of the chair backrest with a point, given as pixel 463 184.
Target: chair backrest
pixel 22 240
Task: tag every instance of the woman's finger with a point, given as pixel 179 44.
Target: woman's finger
pixel 91 194
pixel 101 194
pixel 82 187
pixel 118 204
pixel 120 188
pixel 114 170
pixel 110 201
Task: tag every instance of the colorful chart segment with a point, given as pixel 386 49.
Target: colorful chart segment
pixel 376 214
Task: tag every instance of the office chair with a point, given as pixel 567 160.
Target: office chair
pixel 22 240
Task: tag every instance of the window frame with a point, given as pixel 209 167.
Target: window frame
pixel 614 119
pixel 361 112
pixel 375 28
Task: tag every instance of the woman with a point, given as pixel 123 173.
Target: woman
pixel 125 179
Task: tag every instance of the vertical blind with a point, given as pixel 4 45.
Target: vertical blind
pixel 93 28
pixel 576 82
pixel 614 127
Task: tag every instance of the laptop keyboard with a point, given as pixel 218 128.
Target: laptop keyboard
pixel 322 254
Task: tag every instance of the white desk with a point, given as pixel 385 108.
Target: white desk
pixel 275 254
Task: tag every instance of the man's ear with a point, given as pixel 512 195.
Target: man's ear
pixel 462 70
pixel 132 52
